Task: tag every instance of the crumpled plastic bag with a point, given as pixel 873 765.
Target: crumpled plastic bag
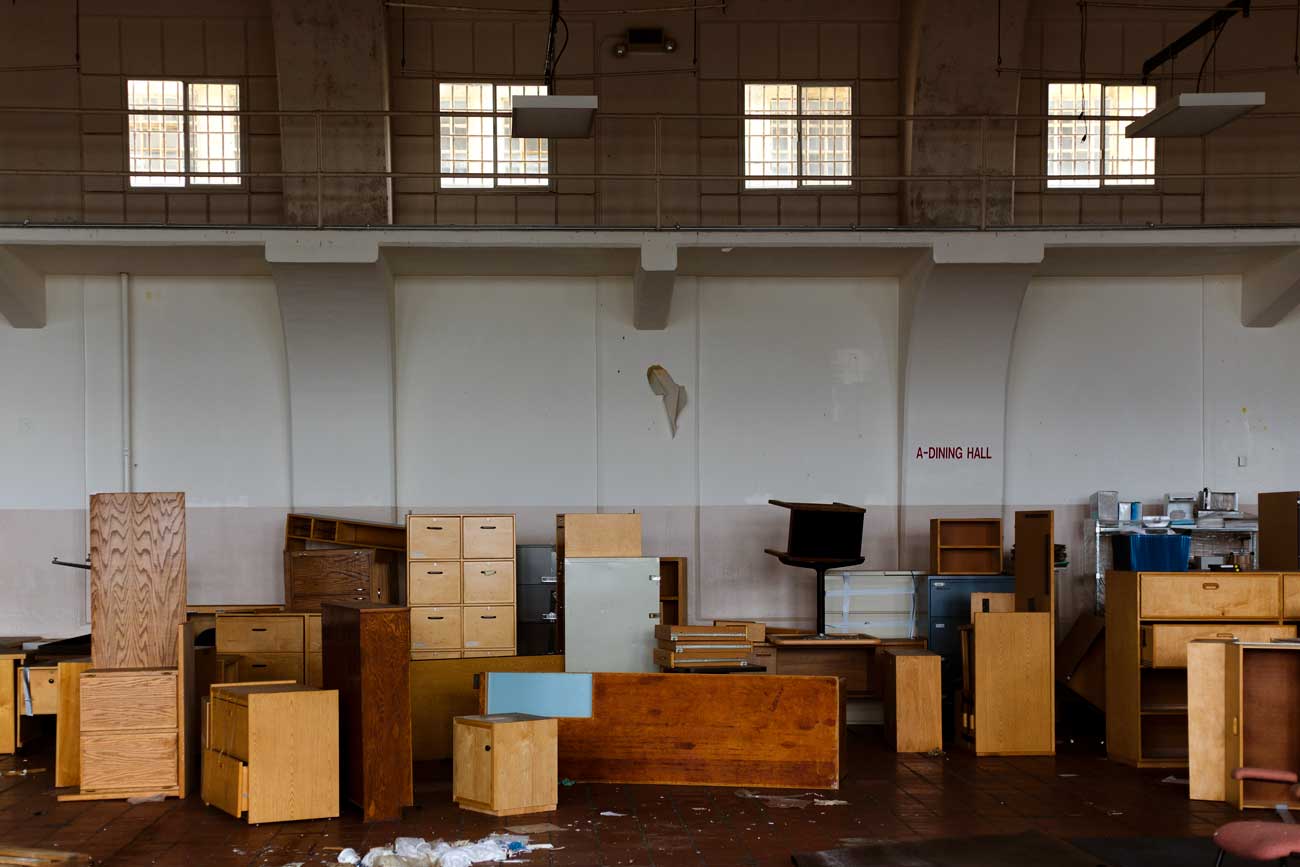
pixel 374 855
pixel 349 856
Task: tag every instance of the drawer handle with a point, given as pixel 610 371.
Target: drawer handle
pixel 433 528
pixel 431 617
pixel 487 526
pixel 550 579
pixel 487 617
pixel 487 571
pixel 432 573
pixel 259 628
pixel 259 665
pixel 1210 585
pixel 1224 635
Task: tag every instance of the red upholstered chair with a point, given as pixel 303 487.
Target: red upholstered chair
pixel 1261 841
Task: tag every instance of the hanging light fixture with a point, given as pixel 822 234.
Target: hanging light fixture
pixel 552 115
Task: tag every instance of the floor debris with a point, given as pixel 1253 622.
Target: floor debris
pixel 24 772
pixel 1177 781
pixel 829 802
pixel 147 799
pixel 539 828
pixel 612 813
pixel 418 852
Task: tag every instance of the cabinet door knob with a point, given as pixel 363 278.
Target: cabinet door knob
pixel 487 748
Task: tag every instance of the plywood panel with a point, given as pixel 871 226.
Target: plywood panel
pixel 8 703
pixel 293 767
pixel 700 729
pixel 444 688
pixel 602 535
pixel 67 738
pixel 137 578
pixel 128 761
pixel 1206 746
pixel 1014 688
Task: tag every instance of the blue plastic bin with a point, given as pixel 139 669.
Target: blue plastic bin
pixel 1151 552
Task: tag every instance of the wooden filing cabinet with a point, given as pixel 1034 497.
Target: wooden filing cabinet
pixel 130 731
pixel 367 653
pixel 1007 704
pixel 272 751
pixel 1150 617
pixel 281 646
pixel 461 585
pixel 912 700
pixel 505 764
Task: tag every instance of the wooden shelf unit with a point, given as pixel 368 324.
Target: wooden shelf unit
pixel 672 591
pixel 1150 618
pixel 460 585
pixel 965 546
pixel 300 529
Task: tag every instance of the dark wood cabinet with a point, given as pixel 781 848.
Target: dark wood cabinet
pixel 367 647
pixel 333 575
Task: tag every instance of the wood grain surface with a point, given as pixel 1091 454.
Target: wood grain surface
pixel 706 729
pixel 137 578
pixel 315 575
pixel 67 735
pixel 367 659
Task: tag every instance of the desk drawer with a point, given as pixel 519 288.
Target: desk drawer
pixel 433 537
pixel 1164 645
pixel 489 537
pixel 112 701
pixel 128 761
pixel 489 626
pixel 434 582
pixel 269 634
pixel 40 689
pixel 228 732
pixel 1193 595
pixel 488 581
pixel 435 628
pixel 272 666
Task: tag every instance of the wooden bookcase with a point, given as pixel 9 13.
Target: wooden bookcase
pixel 965 546
pixel 1147 699
pixel 1261 720
pixel 672 591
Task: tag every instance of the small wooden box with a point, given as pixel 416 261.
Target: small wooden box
pixel 599 535
pixel 505 764
pixel 913 700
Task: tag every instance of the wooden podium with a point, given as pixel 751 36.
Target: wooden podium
pixel 823 536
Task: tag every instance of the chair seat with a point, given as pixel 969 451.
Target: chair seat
pixel 1258 841
pixel 1265 775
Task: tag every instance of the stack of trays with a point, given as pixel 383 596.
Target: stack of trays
pixel 702 646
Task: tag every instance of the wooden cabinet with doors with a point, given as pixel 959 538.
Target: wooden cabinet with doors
pixel 1261 720
pixel 505 764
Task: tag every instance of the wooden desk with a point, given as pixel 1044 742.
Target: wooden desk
pixel 857 660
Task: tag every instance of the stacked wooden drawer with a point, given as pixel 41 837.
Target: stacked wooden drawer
pixel 461 585
pixel 332 575
pixel 280 646
pixel 130 731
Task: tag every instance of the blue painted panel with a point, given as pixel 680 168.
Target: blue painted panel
pixel 539 693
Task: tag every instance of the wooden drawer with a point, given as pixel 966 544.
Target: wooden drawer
pixel 1164 645
pixel 225 783
pixel 433 537
pixel 228 732
pixel 489 626
pixel 314 643
pixel 330 572
pixel 1202 595
pixel 418 655
pixel 1291 596
pixel 480 654
pixel 113 701
pixel 40 689
pixel 128 761
pixel 272 666
pixel 435 628
pixel 260 634
pixel 490 581
pixel 315 670
pixel 489 537
pixel 433 582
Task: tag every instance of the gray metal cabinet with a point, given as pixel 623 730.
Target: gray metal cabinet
pixel 611 607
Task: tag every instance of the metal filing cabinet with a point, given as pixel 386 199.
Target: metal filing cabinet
pixel 947 608
pixel 535 598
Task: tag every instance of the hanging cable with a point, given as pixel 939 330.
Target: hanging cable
pixel 403 38
pixel 548 74
pixel 998 68
pixel 563 45
pixel 1083 65
pixel 1208 54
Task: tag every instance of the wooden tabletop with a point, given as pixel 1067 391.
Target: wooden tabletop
pixel 830 641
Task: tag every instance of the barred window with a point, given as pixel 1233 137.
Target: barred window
pixel 1097 151
pixel 161 143
pixel 474 138
pixel 798 136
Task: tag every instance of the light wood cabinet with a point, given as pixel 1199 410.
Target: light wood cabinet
pixel 279 646
pixel 965 546
pixel 1150 618
pixel 912 699
pixel 272 751
pixel 130 732
pixel 459 564
pixel 1007 705
pixel 1206 745
pixel 505 764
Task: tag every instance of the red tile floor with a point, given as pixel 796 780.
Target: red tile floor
pixel 891 797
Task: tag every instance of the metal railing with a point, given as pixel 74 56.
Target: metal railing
pixel 992 167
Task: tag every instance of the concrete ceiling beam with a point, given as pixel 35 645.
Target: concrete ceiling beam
pixel 652 284
pixel 1271 290
pixel 22 292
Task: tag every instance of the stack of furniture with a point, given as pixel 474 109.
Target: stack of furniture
pixel 1150 618
pixel 505 764
pixel 367 659
pixel 279 646
pixel 913 709
pixel 582 535
pixel 822 536
pixel 321 575
pixel 461 585
pixel 133 722
pixel 693 647
pixel 1007 701
pixel 323 533
pixel 535 599
pixel 272 751
pixel 966 546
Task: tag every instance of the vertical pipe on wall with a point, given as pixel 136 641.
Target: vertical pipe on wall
pixel 124 319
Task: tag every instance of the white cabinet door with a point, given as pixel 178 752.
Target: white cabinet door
pixel 611 607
